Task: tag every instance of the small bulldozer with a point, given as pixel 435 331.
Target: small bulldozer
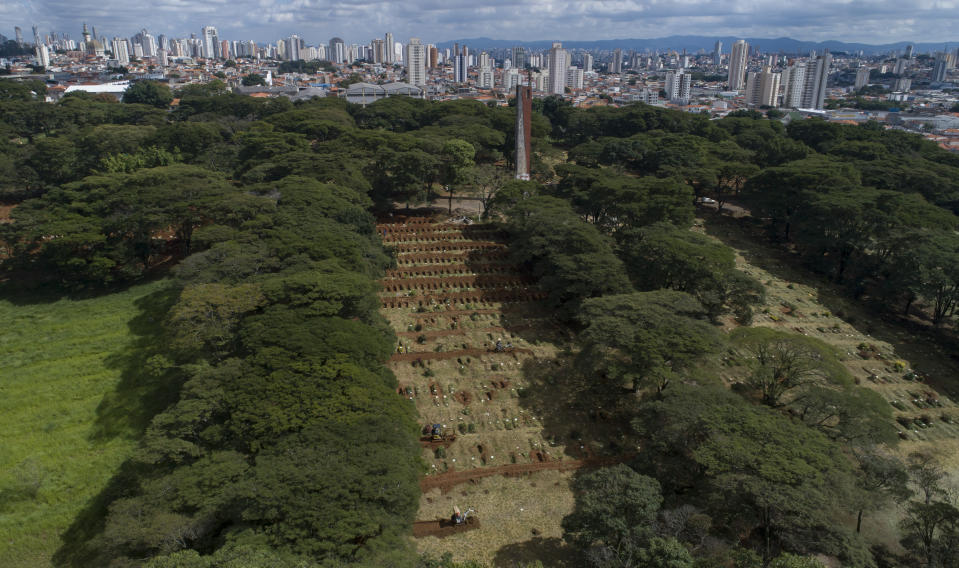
pixel 437 436
pixel 463 518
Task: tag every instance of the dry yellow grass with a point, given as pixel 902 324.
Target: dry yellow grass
pixel 519 518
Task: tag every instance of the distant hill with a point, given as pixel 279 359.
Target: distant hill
pixel 692 44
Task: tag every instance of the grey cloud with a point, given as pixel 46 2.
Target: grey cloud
pixel 871 21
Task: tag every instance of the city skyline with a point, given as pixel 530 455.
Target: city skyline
pixel 318 20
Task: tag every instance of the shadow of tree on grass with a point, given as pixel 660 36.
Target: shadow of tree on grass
pixel 146 388
pixel 147 385
pixel 551 552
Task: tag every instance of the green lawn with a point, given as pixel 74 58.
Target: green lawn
pixel 71 409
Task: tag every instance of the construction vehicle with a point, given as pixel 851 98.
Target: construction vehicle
pixel 462 518
pixel 436 436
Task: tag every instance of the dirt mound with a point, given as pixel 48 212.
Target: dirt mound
pixel 441 528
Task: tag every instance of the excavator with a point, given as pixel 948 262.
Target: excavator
pixel 437 436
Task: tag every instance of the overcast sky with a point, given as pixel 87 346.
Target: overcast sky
pixel 869 21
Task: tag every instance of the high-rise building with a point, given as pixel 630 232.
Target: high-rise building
pixel 486 78
pixel 901 66
pixel 738 58
pixel 558 63
pixel 908 52
pixel 862 77
pixel 793 79
pixel 617 64
pixel 121 51
pixel 293 48
pixel 389 49
pixel 520 58
pixel 939 68
pixel 718 54
pixel 337 51
pixel 677 86
pixel 484 60
pixel 511 78
pixel 210 42
pixel 162 58
pixel 378 51
pixel 19 35
pixel 416 63
pixel 814 85
pixel 43 56
pixel 574 78
pixel 434 54
pixel 903 85
pixel 587 63
pixel 461 59
pixel 762 89
pixel 524 112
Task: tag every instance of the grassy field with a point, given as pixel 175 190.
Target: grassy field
pixel 71 408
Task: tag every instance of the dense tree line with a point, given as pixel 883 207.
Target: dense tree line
pixel 285 443
pixel 771 470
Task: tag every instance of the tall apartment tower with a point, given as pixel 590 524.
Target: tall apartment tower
pixel 718 54
pixel 737 65
pixel 574 78
pixel 293 48
pixel 908 52
pixel 210 42
pixel 814 86
pixel 677 85
pixel 862 77
pixel 617 65
pixel 389 49
pixel 461 61
pixel 121 51
pixel 587 63
pixel 19 35
pixel 762 89
pixel 558 63
pixel 793 79
pixel 416 62
pixel 524 110
pixel 337 51
pixel 939 68
pixel 520 58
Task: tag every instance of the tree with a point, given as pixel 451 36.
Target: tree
pixel 792 561
pixel 489 180
pixel 148 93
pixel 882 477
pixel 457 156
pixel 615 509
pixel 666 256
pixel 569 257
pixel 253 80
pixel 665 553
pixel 781 362
pixel 930 531
pixel 206 317
pixel 761 472
pixel 939 275
pixel 643 338
pixel 926 474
